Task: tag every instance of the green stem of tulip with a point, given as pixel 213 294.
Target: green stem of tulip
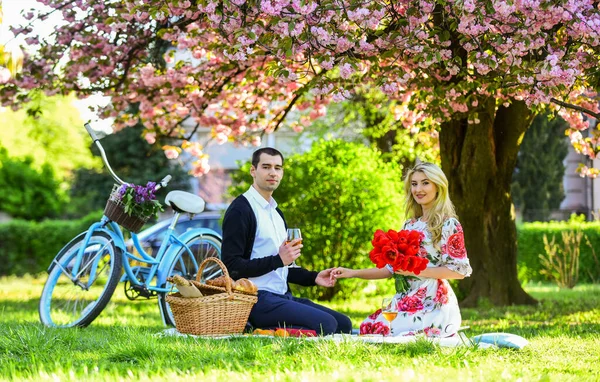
pixel 401 282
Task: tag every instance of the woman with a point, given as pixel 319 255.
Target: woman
pixel 429 305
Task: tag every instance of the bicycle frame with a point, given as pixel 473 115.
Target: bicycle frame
pixel 169 247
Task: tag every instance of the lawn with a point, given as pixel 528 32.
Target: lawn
pixel 563 330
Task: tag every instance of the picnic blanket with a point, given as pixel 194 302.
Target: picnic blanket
pixel 484 341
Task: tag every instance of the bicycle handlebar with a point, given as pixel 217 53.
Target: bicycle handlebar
pixel 90 131
pixel 162 184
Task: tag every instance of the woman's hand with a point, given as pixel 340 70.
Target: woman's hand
pixel 342 273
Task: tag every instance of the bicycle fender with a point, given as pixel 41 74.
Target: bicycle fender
pixel 115 238
pixel 175 247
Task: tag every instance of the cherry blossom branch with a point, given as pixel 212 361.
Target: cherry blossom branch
pixel 576 107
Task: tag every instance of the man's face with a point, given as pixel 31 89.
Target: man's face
pixel 268 173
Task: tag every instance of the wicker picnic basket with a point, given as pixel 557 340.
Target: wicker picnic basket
pixel 219 311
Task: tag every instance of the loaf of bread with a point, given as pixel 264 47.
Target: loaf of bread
pixel 185 287
pixel 245 285
pixel 180 280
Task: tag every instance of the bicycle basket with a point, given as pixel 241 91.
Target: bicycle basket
pixel 216 314
pixel 115 211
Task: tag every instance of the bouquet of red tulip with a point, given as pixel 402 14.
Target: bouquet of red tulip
pixel 400 250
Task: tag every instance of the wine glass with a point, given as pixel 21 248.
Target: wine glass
pixel 389 309
pixel 293 234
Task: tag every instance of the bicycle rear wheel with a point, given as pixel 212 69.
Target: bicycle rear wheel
pixel 186 263
pixel 76 300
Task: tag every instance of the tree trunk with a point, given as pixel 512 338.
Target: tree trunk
pixel 479 160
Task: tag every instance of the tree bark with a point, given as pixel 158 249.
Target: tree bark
pixel 479 160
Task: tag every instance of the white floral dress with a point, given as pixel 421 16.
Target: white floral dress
pixel 429 305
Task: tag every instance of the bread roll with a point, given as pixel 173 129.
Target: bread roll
pixel 245 285
pixel 220 281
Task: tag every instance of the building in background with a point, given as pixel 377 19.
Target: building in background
pixel 582 195
pixel 226 158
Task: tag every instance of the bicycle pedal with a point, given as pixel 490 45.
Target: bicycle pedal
pixel 142 291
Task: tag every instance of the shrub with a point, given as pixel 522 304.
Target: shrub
pixel 561 263
pixel 531 245
pixel 27 192
pixel 338 193
pixel 29 247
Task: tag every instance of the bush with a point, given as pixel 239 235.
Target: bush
pixel 28 193
pixel 338 193
pixel 531 245
pixel 29 247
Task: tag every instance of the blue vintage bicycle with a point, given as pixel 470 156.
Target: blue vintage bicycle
pixel 84 274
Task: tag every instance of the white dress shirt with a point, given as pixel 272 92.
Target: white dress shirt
pixel 270 234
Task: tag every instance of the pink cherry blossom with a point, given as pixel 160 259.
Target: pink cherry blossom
pixel 250 64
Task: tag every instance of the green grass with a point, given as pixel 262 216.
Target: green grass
pixel 563 331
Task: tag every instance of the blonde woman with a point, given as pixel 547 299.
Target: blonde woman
pixel 429 305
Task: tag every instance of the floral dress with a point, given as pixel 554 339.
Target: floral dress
pixel 429 305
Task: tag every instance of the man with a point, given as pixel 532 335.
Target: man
pixel 254 246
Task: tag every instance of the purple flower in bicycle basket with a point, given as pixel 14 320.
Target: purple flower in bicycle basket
pixel 139 200
pixel 151 186
pixel 140 194
pixel 121 191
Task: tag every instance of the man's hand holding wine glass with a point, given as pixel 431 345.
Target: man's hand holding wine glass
pixel 290 251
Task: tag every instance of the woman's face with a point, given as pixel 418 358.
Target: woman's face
pixel 423 190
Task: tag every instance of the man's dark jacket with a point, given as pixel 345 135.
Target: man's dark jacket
pixel 239 232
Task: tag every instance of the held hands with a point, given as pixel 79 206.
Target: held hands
pixel 325 279
pixel 290 251
pixel 342 273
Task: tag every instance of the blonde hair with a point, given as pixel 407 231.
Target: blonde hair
pixel 442 208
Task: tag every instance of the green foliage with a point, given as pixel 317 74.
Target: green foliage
pixel 561 262
pixel 53 134
pixel 537 181
pixel 338 193
pixel 386 132
pixel 577 219
pixel 133 160
pixel 29 247
pixel 531 245
pixel 27 192
pixel 372 116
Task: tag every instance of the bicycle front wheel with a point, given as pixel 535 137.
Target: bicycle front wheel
pixel 76 298
pixel 187 262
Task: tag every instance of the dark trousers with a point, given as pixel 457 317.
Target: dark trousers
pixel 284 310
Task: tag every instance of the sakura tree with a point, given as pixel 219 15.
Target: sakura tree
pixel 480 69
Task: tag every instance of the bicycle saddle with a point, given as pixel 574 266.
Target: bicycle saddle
pixel 182 201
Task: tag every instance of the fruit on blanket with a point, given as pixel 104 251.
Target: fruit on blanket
pixel 245 285
pixel 282 333
pixel 263 332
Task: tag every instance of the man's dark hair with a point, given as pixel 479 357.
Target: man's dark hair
pixel 265 150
